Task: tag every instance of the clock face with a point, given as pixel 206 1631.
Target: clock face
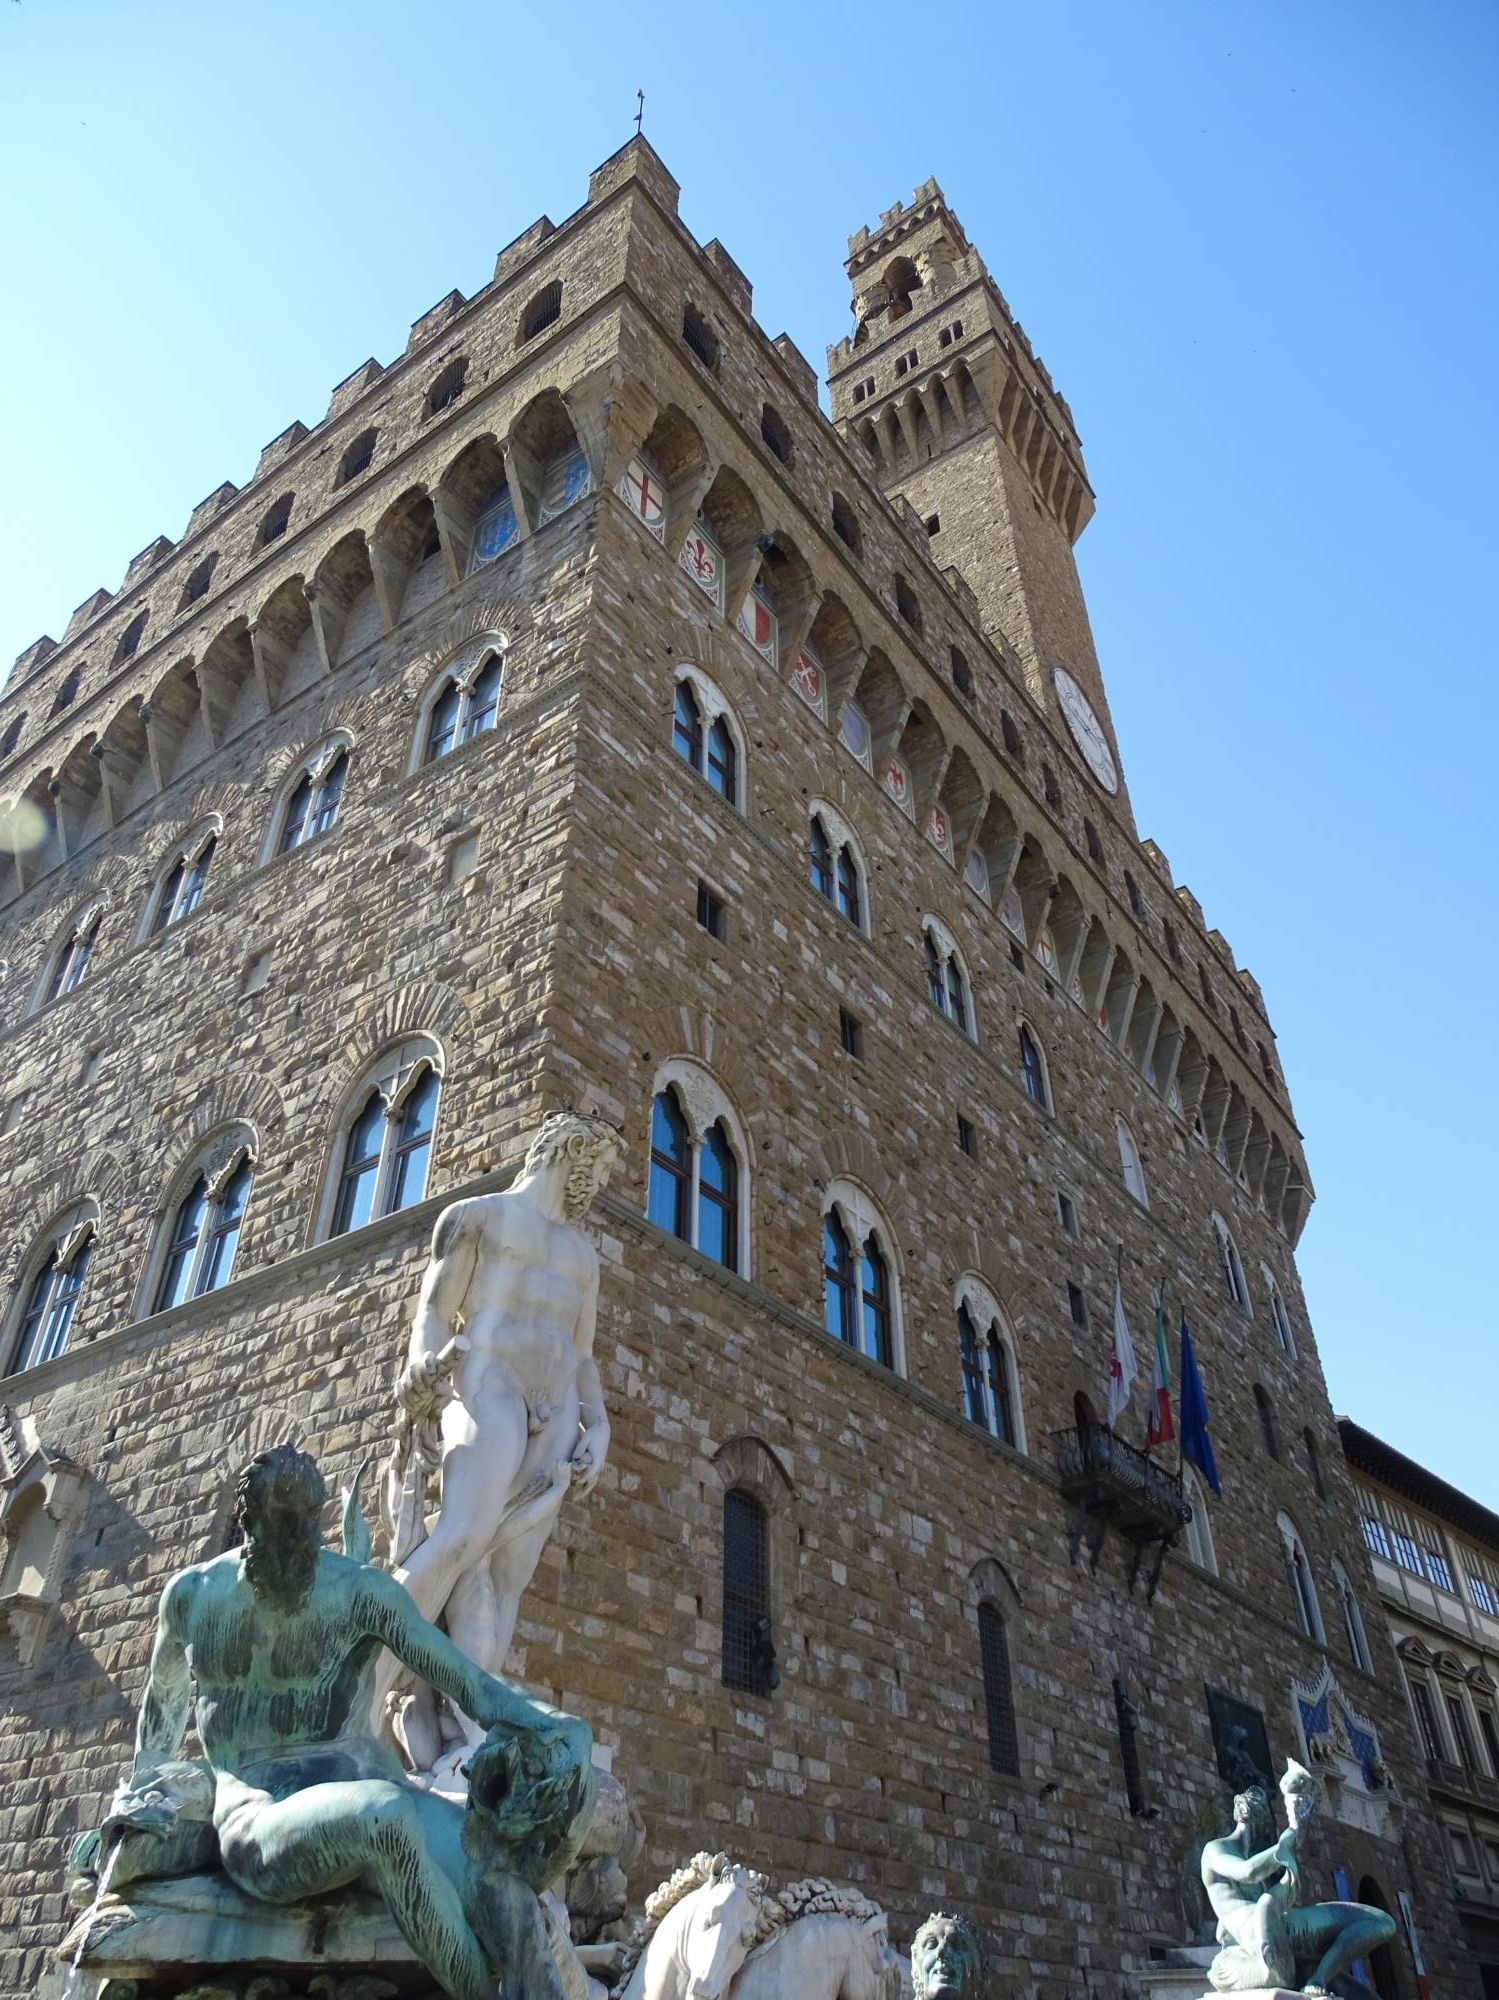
pixel 1087 730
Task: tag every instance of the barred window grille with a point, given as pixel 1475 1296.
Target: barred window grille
pixel 1128 1721
pixel 748 1647
pixel 999 1700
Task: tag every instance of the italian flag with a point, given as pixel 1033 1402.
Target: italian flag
pixel 1160 1429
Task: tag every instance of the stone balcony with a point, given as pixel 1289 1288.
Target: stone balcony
pixel 1114 1484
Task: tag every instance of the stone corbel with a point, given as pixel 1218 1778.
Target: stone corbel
pixel 685 504
pixel 328 616
pixel 455 541
pixel 270 661
pixel 388 575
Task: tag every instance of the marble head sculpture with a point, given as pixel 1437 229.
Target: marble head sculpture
pixel 947 1959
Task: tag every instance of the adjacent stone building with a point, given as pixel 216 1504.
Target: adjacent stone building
pixel 1435 1554
pixel 576 715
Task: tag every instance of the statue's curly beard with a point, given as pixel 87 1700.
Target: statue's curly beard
pixel 282 1570
pixel 578 1192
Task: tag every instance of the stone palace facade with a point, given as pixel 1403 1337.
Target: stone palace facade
pixel 575 715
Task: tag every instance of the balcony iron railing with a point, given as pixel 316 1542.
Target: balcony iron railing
pixel 1116 1485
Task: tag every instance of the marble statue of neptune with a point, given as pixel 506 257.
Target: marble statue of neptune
pixel 501 1398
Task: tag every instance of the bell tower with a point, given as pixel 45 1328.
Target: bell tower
pixel 959 416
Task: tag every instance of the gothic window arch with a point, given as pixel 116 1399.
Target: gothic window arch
pixel 706 734
pixel 947 983
pixel 382 1150
pixel 1034 1077
pixel 130 638
pixel 1280 1319
pixel 995 1604
pixel 68 961
pixel 835 864
pixel 1353 1620
pixel 1299 1575
pixel 1231 1265
pixel 200 1228
pixel 1200 1546
pixel 861 1277
pixel 758 1559
pixel 39 1321
pixel 462 702
pixel 1131 1166
pixel 277 520
pixel 699 1182
pixel 180 879
pixel 986 1353
pixel 308 801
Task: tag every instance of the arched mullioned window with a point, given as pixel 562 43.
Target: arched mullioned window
pixel 1033 1069
pixel 1280 1319
pixel 181 887
pixel 311 797
pixel 464 703
pixel 861 1305
pixel 1130 1164
pixel 383 1151
pixel 198 1248
pixel 69 959
pixel 1299 1575
pixel 946 981
pixel 991 1389
pixel 704 734
pixel 748 1638
pixel 834 866
pixel 1234 1281
pixel 1353 1620
pixel 698 1185
pixel 52 1277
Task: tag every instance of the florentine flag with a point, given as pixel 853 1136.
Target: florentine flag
pixel 1197 1446
pixel 1122 1369
pixel 1160 1429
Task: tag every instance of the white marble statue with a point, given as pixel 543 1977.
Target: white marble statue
pixel 716 1932
pixel 501 1399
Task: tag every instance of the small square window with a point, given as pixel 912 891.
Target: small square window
pixel 934 524
pixel 968 1139
pixel 463 857
pixel 711 913
pixel 1067 1211
pixel 1017 957
pixel 256 974
pixel 1077 1305
pixel 851 1033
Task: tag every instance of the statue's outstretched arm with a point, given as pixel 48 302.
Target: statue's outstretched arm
pixel 169 1687
pixel 432 1657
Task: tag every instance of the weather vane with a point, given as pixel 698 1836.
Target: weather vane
pixel 639 110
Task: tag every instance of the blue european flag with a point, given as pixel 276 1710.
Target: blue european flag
pixel 1197 1446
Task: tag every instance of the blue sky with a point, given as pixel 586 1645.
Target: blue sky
pixel 1255 246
